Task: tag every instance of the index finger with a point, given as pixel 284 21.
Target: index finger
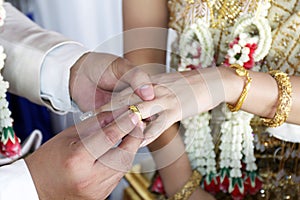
pixel 103 139
pixel 121 157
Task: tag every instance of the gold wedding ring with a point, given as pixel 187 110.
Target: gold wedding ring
pixel 135 110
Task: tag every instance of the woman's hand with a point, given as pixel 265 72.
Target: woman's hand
pixel 177 96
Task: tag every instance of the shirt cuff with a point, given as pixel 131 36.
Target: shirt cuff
pixel 16 182
pixel 55 75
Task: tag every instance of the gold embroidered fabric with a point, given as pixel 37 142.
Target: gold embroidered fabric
pixel 277 160
pixel 283 16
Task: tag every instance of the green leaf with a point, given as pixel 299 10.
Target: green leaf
pixel 239 182
pixel 252 175
pixel 225 172
pixel 9 135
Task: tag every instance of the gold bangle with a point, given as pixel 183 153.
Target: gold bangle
pixel 191 185
pixel 284 99
pixel 242 72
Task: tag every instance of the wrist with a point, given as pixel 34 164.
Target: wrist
pixel 232 83
pixel 209 88
pixel 199 193
pixel 74 71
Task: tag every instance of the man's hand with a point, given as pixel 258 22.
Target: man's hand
pixel 80 163
pixel 95 76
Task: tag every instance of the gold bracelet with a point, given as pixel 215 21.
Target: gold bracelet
pixel 190 186
pixel 241 71
pixel 284 99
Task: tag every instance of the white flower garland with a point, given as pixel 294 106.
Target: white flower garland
pixel 246 23
pixel 237 138
pixel 237 141
pixel 199 143
pixel 9 142
pixel 5 119
pixel 196 46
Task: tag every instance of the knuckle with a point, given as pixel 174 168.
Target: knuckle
pixel 75 156
pixel 126 160
pixel 112 136
pixel 87 187
pixel 142 78
pixel 71 162
pixel 172 99
pixel 161 90
pixel 81 186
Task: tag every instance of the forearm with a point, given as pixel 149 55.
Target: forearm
pixel 145 36
pixel 169 155
pixel 262 98
pixel 153 13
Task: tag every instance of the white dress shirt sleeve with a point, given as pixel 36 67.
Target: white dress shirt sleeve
pixel 55 74
pixel 16 182
pixel 26 46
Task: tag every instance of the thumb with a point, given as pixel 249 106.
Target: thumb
pixel 140 82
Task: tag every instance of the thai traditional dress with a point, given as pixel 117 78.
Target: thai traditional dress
pixel 234 152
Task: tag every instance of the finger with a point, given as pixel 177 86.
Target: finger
pixel 171 77
pixel 146 108
pixel 121 157
pixel 111 183
pixel 105 138
pixel 140 83
pixel 104 186
pixel 156 106
pixel 105 120
pixel 118 101
pixel 155 128
pixel 98 121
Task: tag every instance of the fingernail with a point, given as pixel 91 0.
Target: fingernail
pixel 142 125
pixel 144 143
pixel 140 133
pixel 134 118
pixel 147 92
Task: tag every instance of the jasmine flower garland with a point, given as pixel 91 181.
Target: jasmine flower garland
pixel 249 43
pixel 199 143
pixel 9 142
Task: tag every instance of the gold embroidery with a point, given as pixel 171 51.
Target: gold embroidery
pixel 294 26
pixel 292 49
pixel 298 56
pixel 287 35
pixel 281 7
pixel 278 18
pixel 227 11
pixel 219 45
pixel 296 44
pixel 293 68
pixel 279 54
pixel 284 42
